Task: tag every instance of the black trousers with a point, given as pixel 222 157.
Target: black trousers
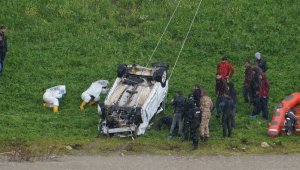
pixel 187 125
pixel 264 107
pixel 246 93
pixel 256 106
pixel 227 124
pixel 260 104
pixel 195 131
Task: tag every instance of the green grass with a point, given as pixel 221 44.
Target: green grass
pixel 76 42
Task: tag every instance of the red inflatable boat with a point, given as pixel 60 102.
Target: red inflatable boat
pixel 290 102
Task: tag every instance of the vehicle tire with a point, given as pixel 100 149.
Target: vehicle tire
pixel 161 65
pixel 122 70
pixel 161 76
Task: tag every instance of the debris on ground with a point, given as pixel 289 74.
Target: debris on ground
pixel 69 147
pixel 264 145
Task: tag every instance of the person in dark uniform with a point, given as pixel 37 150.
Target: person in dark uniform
pixel 3 46
pixel 227 115
pixel 178 104
pixel 195 126
pixel 188 117
pixel 197 94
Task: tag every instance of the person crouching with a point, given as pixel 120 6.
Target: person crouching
pixel 92 94
pixel 52 95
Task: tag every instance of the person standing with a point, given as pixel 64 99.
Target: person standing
pixel 195 127
pixel 3 46
pixel 260 62
pixel 52 95
pixel 255 90
pixel 197 94
pixel 225 69
pixel 227 116
pixel 178 104
pixel 195 123
pixel 247 81
pixel 232 94
pixel 221 90
pixel 205 108
pixel 188 117
pixel 264 95
pixel 92 94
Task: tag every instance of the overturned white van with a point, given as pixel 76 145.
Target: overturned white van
pixel 136 96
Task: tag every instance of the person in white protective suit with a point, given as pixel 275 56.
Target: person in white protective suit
pixel 52 95
pixel 92 94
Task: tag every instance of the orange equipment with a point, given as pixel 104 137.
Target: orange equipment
pixel 276 125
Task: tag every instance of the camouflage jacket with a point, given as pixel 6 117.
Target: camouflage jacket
pixel 206 104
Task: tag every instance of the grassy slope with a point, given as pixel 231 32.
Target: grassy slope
pixel 76 42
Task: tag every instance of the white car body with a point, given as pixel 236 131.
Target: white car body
pixel 133 100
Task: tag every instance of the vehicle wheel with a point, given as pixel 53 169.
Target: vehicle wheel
pixel 122 70
pixel 161 65
pixel 161 76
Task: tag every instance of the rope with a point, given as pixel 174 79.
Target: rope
pixel 181 45
pixel 163 34
pixel 185 39
pixel 136 101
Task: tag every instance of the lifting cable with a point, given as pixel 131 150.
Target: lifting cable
pixel 192 22
pixel 163 33
pixel 136 101
pixel 185 39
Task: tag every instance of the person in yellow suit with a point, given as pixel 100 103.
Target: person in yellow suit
pixel 92 94
pixel 52 95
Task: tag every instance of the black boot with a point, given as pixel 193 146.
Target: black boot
pixel 195 147
pixel 224 133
